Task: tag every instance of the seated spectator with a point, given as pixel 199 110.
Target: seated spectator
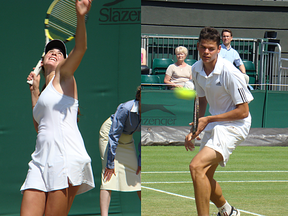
pixel 143 57
pixel 180 72
pixel 144 68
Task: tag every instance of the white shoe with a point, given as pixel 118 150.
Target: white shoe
pixel 234 212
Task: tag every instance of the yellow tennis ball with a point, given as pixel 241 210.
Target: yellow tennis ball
pixel 184 93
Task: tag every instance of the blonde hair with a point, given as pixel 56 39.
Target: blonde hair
pixel 181 49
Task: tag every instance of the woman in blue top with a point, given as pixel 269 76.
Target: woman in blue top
pixel 120 169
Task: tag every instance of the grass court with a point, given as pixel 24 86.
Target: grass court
pixel 255 181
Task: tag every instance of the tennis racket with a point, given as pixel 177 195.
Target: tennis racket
pixel 60 23
pixel 195 115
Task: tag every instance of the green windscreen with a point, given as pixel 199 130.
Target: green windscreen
pixel 163 108
pixel 107 76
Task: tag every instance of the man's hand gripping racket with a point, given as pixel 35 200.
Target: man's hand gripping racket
pixel 190 138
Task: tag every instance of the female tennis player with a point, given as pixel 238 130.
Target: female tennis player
pixel 120 169
pixel 60 167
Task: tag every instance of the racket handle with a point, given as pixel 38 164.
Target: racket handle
pixel 37 70
pixel 193 141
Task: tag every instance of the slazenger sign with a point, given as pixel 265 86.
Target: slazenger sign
pixel 112 14
pixel 167 118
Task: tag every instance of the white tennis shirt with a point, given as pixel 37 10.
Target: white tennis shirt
pixel 224 88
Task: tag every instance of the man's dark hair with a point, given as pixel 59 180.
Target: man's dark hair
pixel 209 33
pixel 226 30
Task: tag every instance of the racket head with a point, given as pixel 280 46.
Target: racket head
pixel 195 115
pixel 61 20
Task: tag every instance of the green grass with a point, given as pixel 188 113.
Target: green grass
pixel 256 193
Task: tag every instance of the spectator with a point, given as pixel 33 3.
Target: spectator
pixel 144 68
pixel 143 57
pixel 180 72
pixel 228 52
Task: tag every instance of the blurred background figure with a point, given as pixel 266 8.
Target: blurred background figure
pixel 144 68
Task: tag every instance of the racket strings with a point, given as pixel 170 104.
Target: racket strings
pixel 62 20
pixel 65 10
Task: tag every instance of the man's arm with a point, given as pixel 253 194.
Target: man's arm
pixel 242 68
pixel 240 112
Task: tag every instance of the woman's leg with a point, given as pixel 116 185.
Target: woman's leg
pixel 59 202
pixel 72 191
pixel 33 203
pixel 105 197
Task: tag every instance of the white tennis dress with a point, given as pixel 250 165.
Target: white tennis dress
pixel 60 156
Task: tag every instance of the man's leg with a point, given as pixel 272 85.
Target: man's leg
pixel 216 192
pixel 199 166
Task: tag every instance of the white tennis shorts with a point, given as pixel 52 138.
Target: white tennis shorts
pixel 223 139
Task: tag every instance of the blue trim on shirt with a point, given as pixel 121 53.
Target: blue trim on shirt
pixel 231 55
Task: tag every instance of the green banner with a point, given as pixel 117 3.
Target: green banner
pixel 162 108
pixel 108 75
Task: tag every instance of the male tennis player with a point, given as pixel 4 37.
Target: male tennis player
pixel 221 84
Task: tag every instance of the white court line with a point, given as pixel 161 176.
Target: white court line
pixel 185 182
pixel 251 171
pixel 187 197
